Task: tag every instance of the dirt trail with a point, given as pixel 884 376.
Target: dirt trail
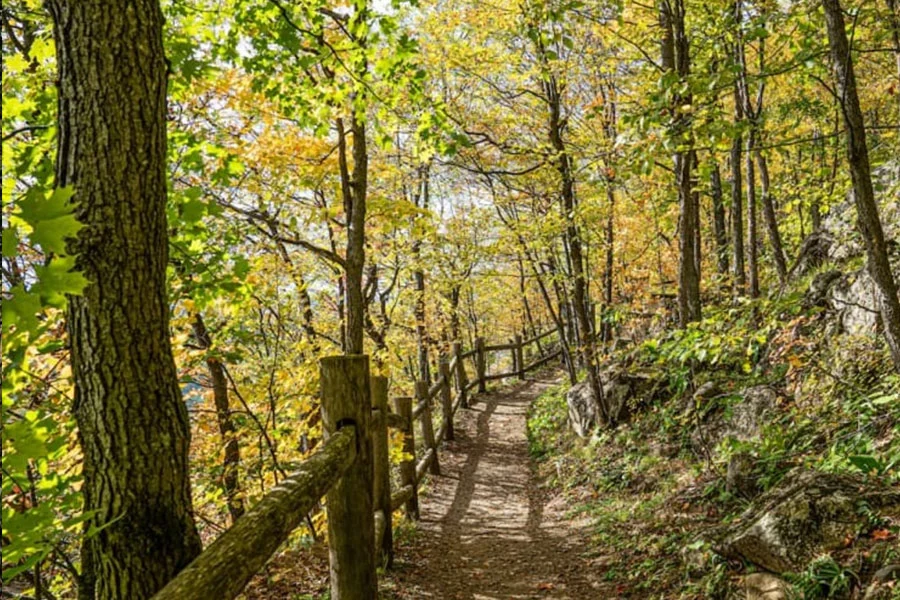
pixel 488 531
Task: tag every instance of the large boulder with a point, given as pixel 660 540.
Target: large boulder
pixel 809 513
pixel 582 409
pixel 623 389
pixel 741 422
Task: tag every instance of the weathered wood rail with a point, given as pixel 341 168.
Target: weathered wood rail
pixel 352 470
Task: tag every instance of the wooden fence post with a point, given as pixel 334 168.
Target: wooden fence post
pixel 461 380
pixel 427 426
pixel 446 398
pixel 520 358
pixel 382 483
pixel 403 407
pixel 480 365
pixel 351 523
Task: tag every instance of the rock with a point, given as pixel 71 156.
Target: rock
pixel 582 409
pixel 820 287
pixel 887 573
pixel 841 220
pixel 743 423
pixel 808 514
pixel 813 253
pixel 622 390
pixel 765 586
pixel 706 391
pixel 854 299
pixel 740 476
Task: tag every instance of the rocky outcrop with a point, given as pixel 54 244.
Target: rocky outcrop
pixel 809 513
pixel 840 222
pixel 848 292
pixel 850 298
pixel 623 390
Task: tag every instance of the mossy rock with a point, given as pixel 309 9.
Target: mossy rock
pixel 808 514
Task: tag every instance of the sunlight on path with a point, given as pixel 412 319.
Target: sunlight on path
pixel 486 532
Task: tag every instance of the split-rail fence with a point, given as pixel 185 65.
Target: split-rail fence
pixel 353 472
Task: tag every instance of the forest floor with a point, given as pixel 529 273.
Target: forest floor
pixel 488 529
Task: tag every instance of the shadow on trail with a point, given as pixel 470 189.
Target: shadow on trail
pixel 483 533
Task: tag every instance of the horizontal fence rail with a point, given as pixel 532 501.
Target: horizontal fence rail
pixel 224 568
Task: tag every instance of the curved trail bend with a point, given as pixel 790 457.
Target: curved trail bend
pixel 487 530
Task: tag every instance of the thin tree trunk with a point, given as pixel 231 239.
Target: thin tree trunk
pixel 355 209
pixel 526 306
pixel 606 327
pixel 677 58
pixel 771 219
pixel 814 209
pixel 752 234
pixel 860 171
pixel 720 231
pixel 421 195
pixel 232 458
pixel 132 422
pixel 737 208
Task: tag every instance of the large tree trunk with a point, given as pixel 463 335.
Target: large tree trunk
pixel 133 425
pixel 860 172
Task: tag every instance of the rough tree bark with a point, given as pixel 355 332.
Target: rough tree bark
pixel 133 425
pixel 860 171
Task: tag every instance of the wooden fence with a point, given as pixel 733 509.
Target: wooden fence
pixel 352 470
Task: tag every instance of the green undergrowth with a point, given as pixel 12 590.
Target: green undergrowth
pixel 651 494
